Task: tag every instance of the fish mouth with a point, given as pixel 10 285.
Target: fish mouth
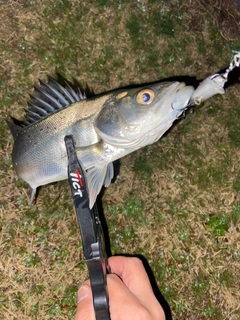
pixel 175 100
pixel 182 96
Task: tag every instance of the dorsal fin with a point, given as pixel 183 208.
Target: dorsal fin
pixel 49 98
pixel 15 126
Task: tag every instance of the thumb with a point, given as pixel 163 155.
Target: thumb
pixel 85 309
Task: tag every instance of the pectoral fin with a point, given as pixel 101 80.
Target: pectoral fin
pixel 109 175
pixel 96 177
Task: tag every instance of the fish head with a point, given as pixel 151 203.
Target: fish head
pixel 137 117
pixel 156 101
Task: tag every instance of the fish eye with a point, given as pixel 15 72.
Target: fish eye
pixel 145 96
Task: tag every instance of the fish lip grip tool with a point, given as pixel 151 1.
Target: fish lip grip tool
pixel 91 233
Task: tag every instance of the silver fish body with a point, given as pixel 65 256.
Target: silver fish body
pixel 105 128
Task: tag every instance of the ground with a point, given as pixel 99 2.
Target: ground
pixel 177 202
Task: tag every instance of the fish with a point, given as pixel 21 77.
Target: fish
pixel 105 128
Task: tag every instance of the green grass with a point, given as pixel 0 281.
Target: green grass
pixel 218 225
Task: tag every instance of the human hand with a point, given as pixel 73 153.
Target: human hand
pixel 130 293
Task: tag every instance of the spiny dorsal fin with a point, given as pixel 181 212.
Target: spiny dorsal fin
pixel 48 98
pixel 15 126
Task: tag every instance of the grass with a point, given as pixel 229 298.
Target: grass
pixel 176 202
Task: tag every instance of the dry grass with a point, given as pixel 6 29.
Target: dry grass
pixel 175 202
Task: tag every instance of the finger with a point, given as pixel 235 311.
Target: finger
pixel 133 274
pixel 123 304
pixel 85 309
